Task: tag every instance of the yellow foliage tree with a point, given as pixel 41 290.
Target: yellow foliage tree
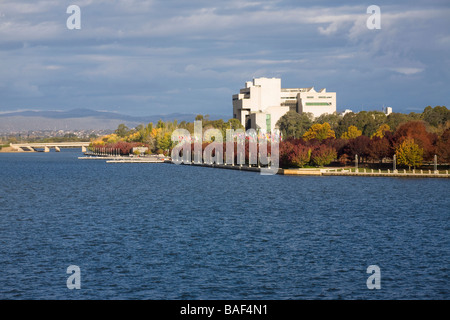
pixel 352 133
pixel 155 132
pixel 319 131
pixel 381 131
pixel 134 137
pixel 409 153
pixel 113 138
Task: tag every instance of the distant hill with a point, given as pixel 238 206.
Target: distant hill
pixel 82 119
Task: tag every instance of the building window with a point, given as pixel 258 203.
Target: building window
pixel 318 103
pixel 248 122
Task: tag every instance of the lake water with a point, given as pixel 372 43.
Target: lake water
pixel 162 231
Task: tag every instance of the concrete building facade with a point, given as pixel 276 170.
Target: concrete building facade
pixel 263 102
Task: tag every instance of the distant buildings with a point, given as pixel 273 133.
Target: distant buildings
pixel 263 102
pixel 346 111
pixel 386 110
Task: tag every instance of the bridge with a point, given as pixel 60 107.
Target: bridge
pixel 48 145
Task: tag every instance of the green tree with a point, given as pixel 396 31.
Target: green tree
pixel 140 128
pixel 436 116
pixel 333 119
pixel 160 124
pixel 373 121
pixel 396 119
pixel 293 124
pixel 233 124
pixel 122 130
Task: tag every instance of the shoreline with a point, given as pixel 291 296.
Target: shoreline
pixel 326 172
pixel 332 171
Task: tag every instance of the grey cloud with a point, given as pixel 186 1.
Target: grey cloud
pixel 144 55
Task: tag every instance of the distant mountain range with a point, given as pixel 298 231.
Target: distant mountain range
pixel 82 119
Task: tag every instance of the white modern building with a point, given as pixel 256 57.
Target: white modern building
pixel 386 110
pixel 263 102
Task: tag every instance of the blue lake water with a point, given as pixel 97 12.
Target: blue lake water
pixel 161 231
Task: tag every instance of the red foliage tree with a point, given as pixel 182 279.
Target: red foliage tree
pixel 443 147
pixel 294 154
pixel 123 147
pixel 323 155
pixel 417 131
pixel 380 148
pixel 339 145
pixel 126 147
pixel 358 146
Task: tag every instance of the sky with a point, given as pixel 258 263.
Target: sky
pixel 161 57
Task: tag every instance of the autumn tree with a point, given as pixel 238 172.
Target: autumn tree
pixel 319 132
pixel 125 147
pixel 163 141
pixel 381 131
pixel 358 146
pixel 409 153
pixel 380 148
pixel 416 130
pixel 294 154
pixel 323 155
pixel 351 133
pixel 339 145
pixel 443 147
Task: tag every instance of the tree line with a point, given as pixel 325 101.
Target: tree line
pixel 157 138
pixel 373 136
pixel 293 124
